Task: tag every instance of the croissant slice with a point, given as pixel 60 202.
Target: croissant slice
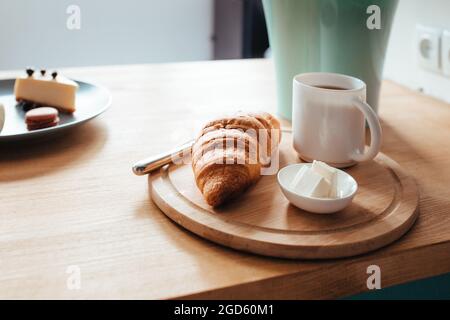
pixel 229 153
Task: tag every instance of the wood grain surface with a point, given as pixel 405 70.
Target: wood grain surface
pixel 73 200
pixel 262 221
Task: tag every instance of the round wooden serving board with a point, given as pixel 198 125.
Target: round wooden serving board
pixel 262 221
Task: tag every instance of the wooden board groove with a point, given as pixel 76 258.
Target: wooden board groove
pixel 343 234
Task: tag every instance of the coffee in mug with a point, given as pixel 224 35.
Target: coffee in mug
pixel 328 120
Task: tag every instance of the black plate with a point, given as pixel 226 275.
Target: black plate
pixel 91 101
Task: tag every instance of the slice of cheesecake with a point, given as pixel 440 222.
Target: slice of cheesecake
pixel 47 90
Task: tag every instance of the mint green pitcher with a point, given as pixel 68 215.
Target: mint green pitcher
pixel 327 36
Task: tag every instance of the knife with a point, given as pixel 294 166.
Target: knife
pixel 153 163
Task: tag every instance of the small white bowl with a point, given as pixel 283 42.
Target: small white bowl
pixel 346 186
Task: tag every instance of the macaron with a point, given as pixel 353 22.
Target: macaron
pixel 40 118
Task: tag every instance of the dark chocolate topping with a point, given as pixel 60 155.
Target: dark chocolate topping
pixel 54 74
pixel 30 72
pixel 43 71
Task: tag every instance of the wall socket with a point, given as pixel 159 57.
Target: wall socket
pixel 428 47
pixel 445 55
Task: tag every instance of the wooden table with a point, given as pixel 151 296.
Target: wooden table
pixel 73 201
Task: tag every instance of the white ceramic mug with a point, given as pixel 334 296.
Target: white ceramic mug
pixel 328 119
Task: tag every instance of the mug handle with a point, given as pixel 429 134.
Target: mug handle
pixel 375 132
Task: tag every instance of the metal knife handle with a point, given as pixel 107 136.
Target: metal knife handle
pixel 150 164
pixel 153 163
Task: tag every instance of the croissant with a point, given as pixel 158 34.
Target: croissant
pixel 229 153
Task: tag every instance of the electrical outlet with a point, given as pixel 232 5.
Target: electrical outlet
pixel 428 48
pixel 446 53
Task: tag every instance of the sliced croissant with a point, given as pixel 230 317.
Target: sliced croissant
pixel 229 153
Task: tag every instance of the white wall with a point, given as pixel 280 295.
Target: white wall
pixel 34 32
pixel 401 64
